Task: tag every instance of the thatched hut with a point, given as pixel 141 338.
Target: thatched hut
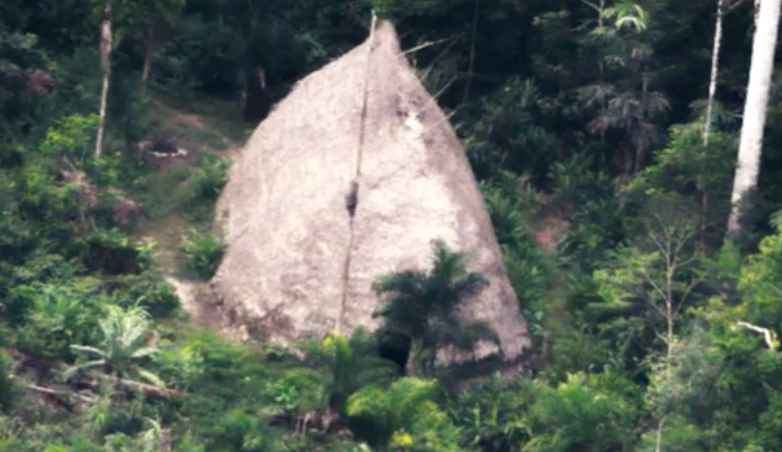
pixel 283 212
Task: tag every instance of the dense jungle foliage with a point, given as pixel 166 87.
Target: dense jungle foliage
pixel 583 121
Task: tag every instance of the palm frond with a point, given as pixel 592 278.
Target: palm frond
pixel 71 372
pixel 405 282
pixel 123 344
pixel 89 352
pixel 144 352
pixel 469 285
pixel 150 377
pixel 474 332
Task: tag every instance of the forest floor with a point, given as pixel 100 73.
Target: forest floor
pixel 210 127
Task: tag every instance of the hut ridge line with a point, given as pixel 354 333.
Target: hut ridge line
pixel 351 198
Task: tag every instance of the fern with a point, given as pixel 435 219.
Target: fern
pixel 204 253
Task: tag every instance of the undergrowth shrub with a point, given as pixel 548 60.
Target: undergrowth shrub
pixel 71 137
pixel 491 413
pixel 513 205
pixel 38 268
pixel 80 85
pixel 689 170
pixel 193 192
pixel 203 252
pixel 503 131
pixel 58 314
pixel 587 199
pixel 583 412
pixel 132 114
pixel 111 252
pixel 163 192
pixel 210 177
pixel 148 289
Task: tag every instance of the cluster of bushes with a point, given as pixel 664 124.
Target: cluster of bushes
pixel 146 383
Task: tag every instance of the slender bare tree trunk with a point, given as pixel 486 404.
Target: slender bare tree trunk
pixel 473 37
pixel 659 441
pixel 105 61
pixel 148 47
pixel 165 440
pixel 715 66
pixel 243 97
pixel 754 118
pixel 249 69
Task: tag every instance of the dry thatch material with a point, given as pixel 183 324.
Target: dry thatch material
pixel 284 216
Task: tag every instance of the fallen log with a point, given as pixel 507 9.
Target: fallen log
pixel 91 380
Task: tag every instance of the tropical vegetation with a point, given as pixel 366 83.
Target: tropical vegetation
pixel 628 152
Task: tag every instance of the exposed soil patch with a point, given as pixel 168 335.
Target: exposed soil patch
pixel 197 135
pixel 548 231
pixel 180 119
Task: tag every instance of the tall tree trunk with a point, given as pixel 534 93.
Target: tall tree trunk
pixel 715 65
pixel 105 61
pixel 148 48
pixel 754 118
pixel 249 63
pixel 640 148
pixel 757 12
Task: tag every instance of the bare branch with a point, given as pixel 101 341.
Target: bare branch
pixel 431 43
pixel 775 288
pixel 657 242
pixel 685 295
pixel 58 392
pixel 429 69
pixel 768 335
pixel 661 336
pixel 689 260
pixel 665 229
pixel 654 285
pixel 445 87
pixel 592 5
pixel 730 8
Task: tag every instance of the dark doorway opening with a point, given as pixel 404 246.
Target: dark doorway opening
pixel 394 347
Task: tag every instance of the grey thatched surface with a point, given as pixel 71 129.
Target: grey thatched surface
pixel 284 216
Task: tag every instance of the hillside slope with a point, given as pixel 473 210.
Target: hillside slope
pixel 208 135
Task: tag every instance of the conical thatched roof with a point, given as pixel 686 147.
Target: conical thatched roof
pixel 284 217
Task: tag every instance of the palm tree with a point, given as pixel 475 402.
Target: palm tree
pixel 124 346
pixel 423 307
